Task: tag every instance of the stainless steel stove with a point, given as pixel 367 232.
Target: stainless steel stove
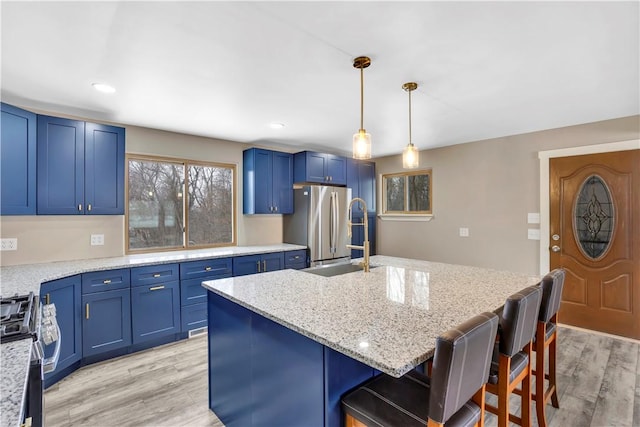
pixel 22 317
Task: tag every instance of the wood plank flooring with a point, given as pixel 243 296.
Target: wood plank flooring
pixel 598 385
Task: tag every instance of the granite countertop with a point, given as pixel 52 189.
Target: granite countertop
pixel 16 356
pixel 22 279
pixel 388 318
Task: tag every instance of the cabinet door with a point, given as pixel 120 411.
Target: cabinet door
pixel 248 264
pixel 282 174
pixel 316 167
pixel 106 322
pixel 155 311
pixel 18 161
pixel 65 294
pixel 104 170
pixel 353 177
pixel 367 184
pixel 60 180
pixel 337 169
pixel 262 181
pixel 273 261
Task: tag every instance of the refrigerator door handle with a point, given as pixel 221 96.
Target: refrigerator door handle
pixel 331 222
pixel 336 219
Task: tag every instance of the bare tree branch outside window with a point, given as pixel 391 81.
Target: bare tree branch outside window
pixel 408 193
pixel 159 204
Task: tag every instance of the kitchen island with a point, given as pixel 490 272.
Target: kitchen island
pixel 284 346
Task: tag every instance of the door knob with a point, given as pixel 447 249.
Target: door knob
pixel 555 237
pixel 555 248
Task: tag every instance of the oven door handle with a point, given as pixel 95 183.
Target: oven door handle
pixel 51 363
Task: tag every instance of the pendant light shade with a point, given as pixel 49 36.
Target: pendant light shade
pixel 410 155
pixel 361 139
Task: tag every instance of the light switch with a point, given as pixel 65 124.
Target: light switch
pixel 533 233
pixel 533 218
pixel 464 232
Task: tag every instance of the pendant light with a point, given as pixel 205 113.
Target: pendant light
pixel 410 155
pixel 361 140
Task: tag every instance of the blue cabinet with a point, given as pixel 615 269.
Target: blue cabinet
pixel 193 297
pixel 65 294
pixel 155 302
pixel 296 259
pixel 106 323
pixel 319 168
pixel 267 182
pixel 361 178
pixel 155 311
pixel 252 264
pixel 80 168
pixel 18 161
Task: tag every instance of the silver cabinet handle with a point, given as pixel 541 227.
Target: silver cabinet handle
pixel 258 262
pixel 89 207
pixel 555 248
pixel 80 207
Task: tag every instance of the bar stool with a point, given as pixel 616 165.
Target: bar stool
pixel 546 337
pixel 454 394
pixel 511 364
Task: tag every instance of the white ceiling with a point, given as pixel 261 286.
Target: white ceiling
pixel 228 69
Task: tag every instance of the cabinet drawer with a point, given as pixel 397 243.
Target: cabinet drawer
pixel 194 317
pixel 142 276
pixel 99 281
pixel 295 259
pixel 210 268
pixel 192 292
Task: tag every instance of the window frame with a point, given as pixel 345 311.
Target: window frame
pixel 185 233
pixel 405 211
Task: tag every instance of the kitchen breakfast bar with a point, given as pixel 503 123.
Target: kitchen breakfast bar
pixel 285 345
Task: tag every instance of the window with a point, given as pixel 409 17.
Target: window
pixel 407 193
pixel 178 204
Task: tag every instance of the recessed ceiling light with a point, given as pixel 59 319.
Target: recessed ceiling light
pixel 276 125
pixel 103 87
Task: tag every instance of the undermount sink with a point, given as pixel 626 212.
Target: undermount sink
pixel 335 269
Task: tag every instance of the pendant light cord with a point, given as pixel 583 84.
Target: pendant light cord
pixel 361 98
pixel 410 143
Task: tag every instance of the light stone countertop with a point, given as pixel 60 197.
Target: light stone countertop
pixel 22 279
pixel 388 318
pixel 15 358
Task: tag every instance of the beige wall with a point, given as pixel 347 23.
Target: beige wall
pixel 488 186
pixel 59 238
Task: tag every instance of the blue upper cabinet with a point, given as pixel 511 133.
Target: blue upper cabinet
pixel 104 169
pixel 319 168
pixel 80 168
pixel 18 161
pixel 267 182
pixel 361 178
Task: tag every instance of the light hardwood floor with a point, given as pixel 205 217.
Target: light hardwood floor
pixel 598 382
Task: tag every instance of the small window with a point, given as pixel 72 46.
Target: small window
pixel 178 204
pixel 407 193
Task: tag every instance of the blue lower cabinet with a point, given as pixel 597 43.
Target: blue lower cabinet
pixel 295 259
pixel 194 316
pixel 155 311
pixel 65 294
pixel 252 264
pixel 106 321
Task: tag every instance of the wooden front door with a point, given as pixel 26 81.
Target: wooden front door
pixel 595 236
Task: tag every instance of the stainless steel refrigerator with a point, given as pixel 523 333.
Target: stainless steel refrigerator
pixel 319 222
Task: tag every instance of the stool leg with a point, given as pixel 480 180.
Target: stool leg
pixel 504 368
pixel 552 371
pixel 525 396
pixel 540 403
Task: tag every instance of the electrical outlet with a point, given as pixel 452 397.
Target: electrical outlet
pixel 10 244
pixel 97 239
pixel 464 232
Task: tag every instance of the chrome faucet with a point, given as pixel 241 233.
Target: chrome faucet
pixel 365 224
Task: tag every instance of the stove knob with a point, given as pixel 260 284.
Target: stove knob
pixel 47 335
